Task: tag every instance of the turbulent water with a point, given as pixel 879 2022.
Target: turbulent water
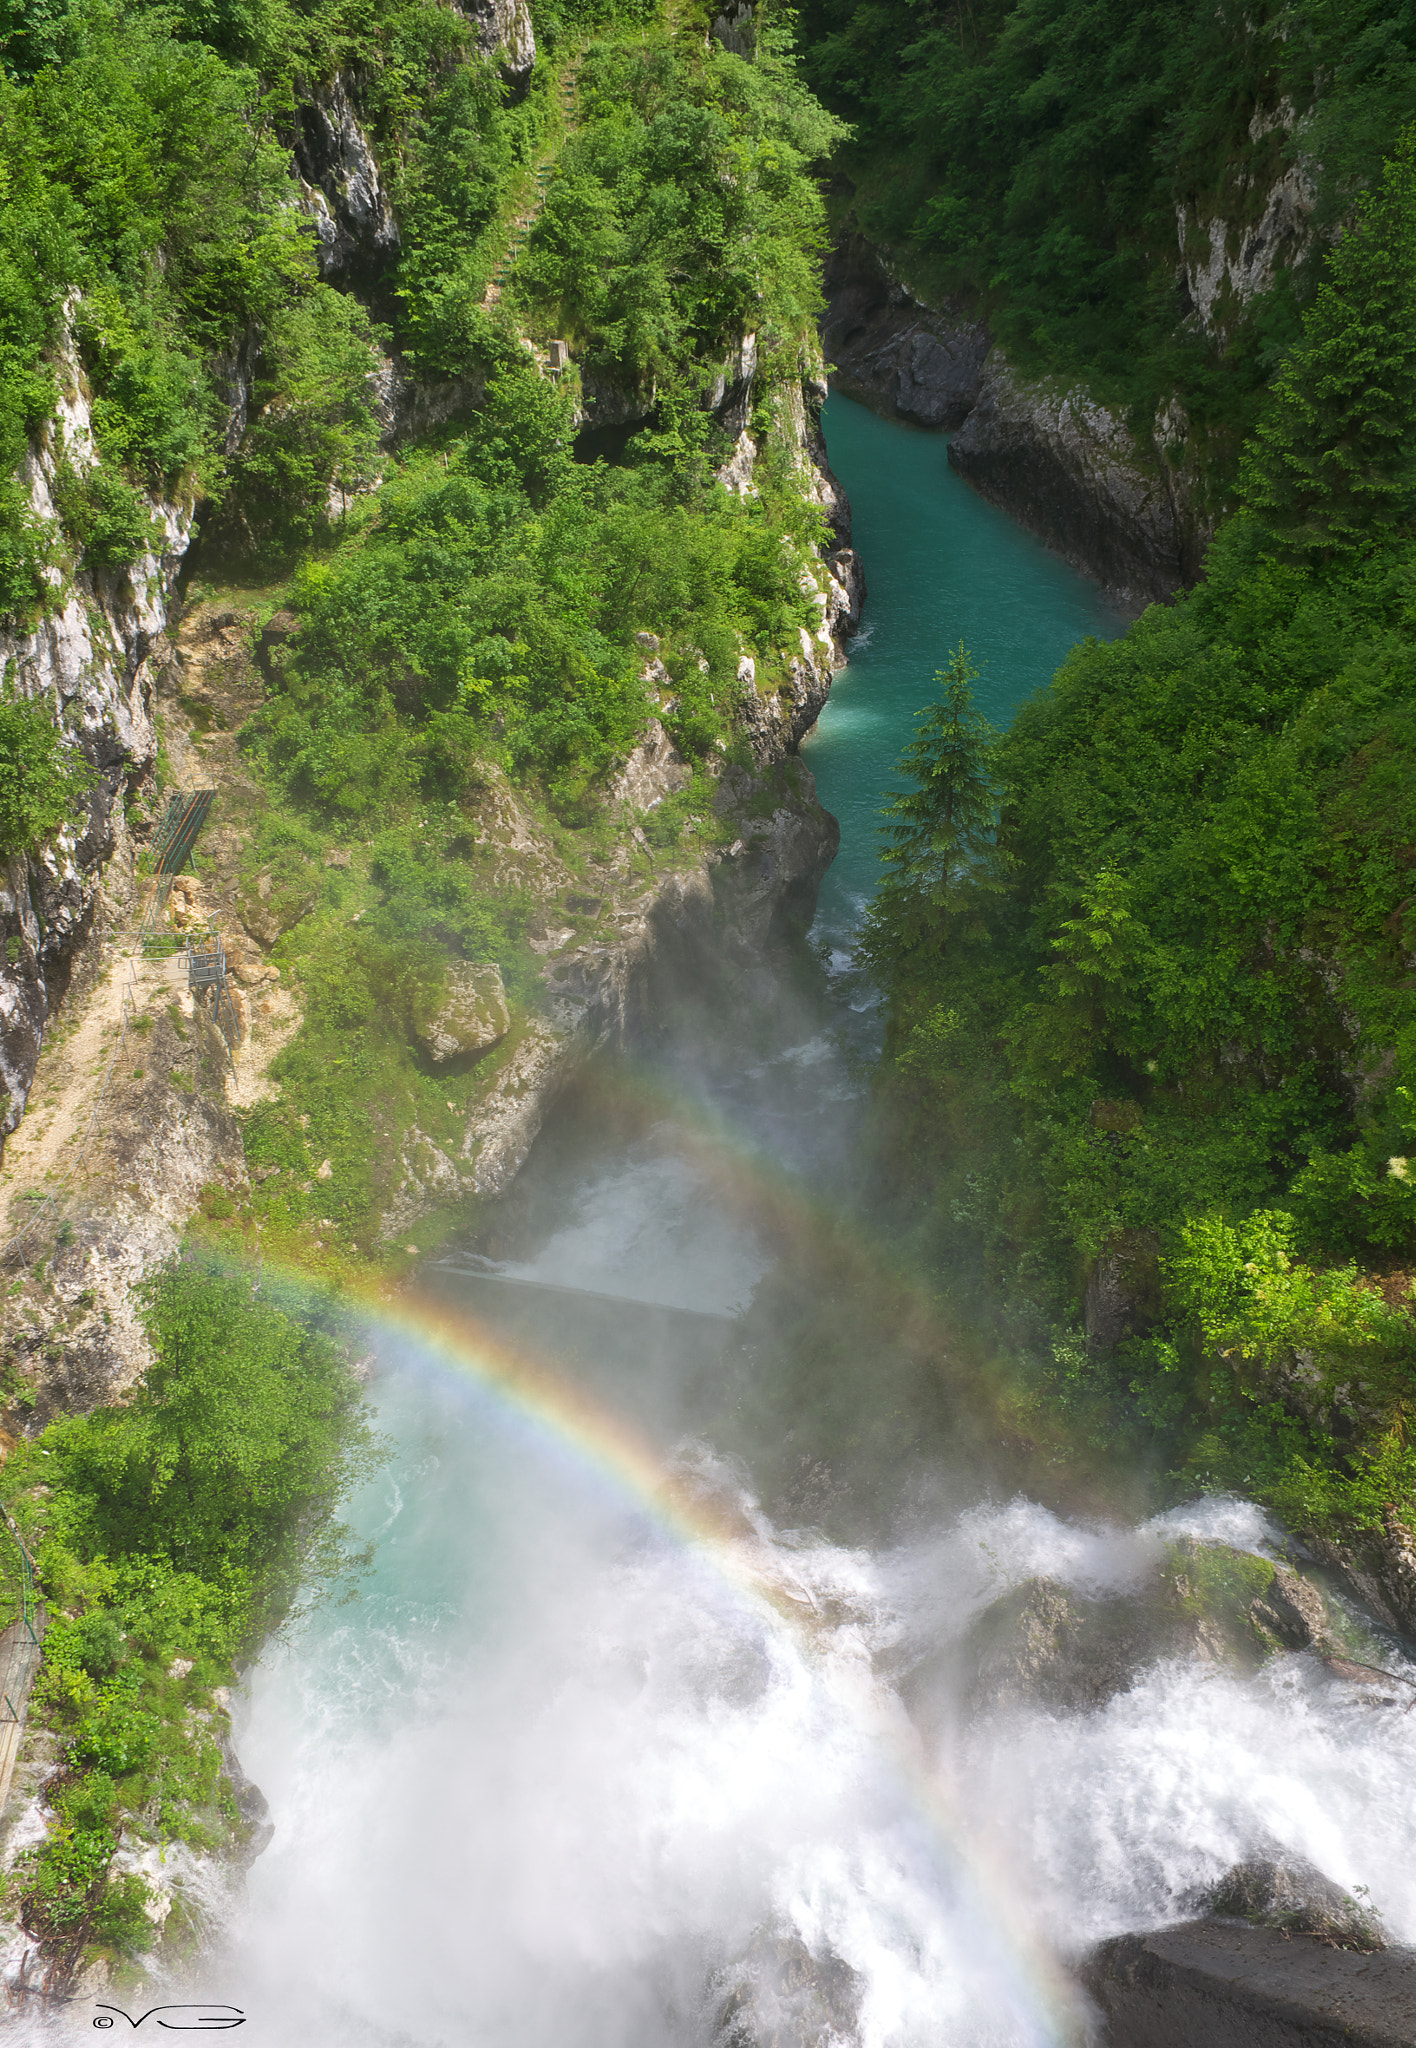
pixel 576 1773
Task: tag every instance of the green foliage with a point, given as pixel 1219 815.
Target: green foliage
pixel 184 1523
pixel 1332 469
pixel 938 838
pixel 104 517
pixel 1252 1300
pixel 1035 154
pixel 230 1457
pixel 682 211
pixel 490 608
pixel 43 776
pixel 1176 1014
pixel 315 427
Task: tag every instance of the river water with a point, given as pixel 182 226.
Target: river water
pixel 602 1758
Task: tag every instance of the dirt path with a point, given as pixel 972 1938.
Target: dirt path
pixel 50 1156
pixel 522 221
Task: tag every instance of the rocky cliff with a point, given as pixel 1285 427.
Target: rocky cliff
pixel 1124 508
pixel 133 1124
pixel 90 660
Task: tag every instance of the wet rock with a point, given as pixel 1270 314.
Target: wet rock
pixel 251 1802
pixel 1292 1610
pixel 1045 1644
pixel 768 882
pixel 1239 1987
pixel 1293 1895
pixel 472 1016
pixel 1378 1568
pixel 780 1995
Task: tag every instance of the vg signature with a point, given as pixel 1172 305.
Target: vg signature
pixel 206 2019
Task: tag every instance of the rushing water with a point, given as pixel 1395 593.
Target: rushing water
pixel 579 1770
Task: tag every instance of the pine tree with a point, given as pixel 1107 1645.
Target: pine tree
pixel 1332 467
pixel 939 835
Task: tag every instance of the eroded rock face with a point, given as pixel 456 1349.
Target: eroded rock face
pixel 892 353
pixel 504 31
pixel 768 882
pixel 654 770
pixel 94 662
pixel 353 218
pixel 472 1017
pixel 1069 468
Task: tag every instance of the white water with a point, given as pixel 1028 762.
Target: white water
pixel 542 1783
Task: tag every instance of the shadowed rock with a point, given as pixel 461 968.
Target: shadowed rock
pixel 1224 1986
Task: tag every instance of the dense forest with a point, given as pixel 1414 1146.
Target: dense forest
pixel 1150 957
pixel 1047 162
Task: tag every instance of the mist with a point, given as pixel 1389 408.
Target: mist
pixel 567 1775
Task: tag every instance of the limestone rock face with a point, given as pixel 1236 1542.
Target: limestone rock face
pixel 1227 263
pixel 345 196
pixel 768 881
pixel 893 353
pixel 472 1017
pixel 504 30
pixel 94 662
pixel 654 770
pixel 1070 468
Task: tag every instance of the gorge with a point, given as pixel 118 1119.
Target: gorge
pixel 862 1410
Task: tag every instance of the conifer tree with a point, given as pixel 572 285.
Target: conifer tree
pixel 1332 467
pixel 939 834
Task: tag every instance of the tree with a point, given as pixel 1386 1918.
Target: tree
pixel 230 1459
pixel 1332 467
pixel 941 832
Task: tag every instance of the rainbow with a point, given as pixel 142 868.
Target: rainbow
pixel 531 1390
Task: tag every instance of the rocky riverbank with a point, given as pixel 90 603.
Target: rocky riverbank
pixel 1125 508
